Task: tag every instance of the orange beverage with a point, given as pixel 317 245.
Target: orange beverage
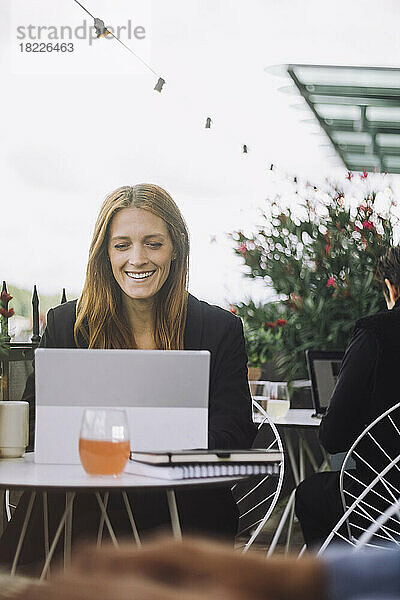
pixel 100 457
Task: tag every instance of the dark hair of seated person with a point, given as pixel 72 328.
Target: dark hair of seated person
pixel 388 267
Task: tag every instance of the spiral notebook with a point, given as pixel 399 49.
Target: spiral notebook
pixel 204 464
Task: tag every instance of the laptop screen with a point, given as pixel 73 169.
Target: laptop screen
pixel 324 367
pixel 326 374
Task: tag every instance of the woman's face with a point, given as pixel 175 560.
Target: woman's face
pixel 140 251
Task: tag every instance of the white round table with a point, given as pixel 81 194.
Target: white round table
pixel 25 474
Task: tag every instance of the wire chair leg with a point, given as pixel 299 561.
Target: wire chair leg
pixel 289 531
pixel 281 524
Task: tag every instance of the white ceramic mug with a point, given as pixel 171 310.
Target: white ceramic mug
pixel 14 428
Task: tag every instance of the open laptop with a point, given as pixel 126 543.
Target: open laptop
pixel 164 393
pixel 323 368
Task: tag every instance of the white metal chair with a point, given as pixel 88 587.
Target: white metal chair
pixel 367 496
pixel 385 521
pixel 256 499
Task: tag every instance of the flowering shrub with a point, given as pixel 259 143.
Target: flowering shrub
pixel 262 325
pixel 320 256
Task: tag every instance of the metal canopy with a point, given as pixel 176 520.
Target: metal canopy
pixel 359 110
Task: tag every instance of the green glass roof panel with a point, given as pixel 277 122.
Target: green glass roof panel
pixel 388 139
pixel 389 113
pixel 392 161
pixel 342 75
pixel 362 160
pixel 352 137
pixel 359 110
pixel 338 111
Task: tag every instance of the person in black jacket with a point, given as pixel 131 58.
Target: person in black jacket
pixel 366 387
pixel 135 297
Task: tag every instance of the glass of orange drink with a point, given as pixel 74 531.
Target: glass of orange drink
pixel 104 441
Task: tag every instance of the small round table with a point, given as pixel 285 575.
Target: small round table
pixel 25 474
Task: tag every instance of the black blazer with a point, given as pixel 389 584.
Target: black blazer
pixel 367 386
pixel 207 328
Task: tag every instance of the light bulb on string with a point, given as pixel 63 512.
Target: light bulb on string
pixel 101 29
pixel 159 85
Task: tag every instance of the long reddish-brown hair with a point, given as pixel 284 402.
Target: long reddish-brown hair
pixel 100 318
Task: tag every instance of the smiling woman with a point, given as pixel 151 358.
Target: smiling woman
pixel 135 290
pixel 135 296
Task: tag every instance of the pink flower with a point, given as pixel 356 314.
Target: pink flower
pixel 269 325
pixel 242 248
pixel 364 174
pixel 368 225
pixel 233 309
pixel 349 175
pixel 281 322
pixel 331 282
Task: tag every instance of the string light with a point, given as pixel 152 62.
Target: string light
pixel 102 31
pixel 159 85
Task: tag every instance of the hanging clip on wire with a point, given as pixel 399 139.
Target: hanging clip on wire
pixel 101 29
pixel 245 150
pixel 208 123
pixel 159 85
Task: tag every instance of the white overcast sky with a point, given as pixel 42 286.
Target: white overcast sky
pixel 74 126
